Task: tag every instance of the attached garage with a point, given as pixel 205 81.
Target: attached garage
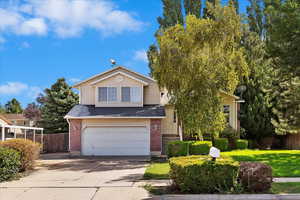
pixel 116 140
pixel 115 131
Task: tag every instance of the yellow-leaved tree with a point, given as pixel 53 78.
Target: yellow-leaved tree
pixel 195 61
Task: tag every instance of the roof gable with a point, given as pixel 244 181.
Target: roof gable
pixel 124 70
pixel 117 73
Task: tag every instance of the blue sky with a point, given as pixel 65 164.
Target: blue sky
pixel 42 40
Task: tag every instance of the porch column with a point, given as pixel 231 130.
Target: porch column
pixel 34 135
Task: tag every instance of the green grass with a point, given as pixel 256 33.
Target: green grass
pixel 285 188
pixel 157 171
pixel 285 163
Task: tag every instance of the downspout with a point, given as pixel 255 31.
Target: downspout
pixel 69 146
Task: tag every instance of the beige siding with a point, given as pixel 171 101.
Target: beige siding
pixel 151 94
pixel 168 127
pixel 228 100
pixel 118 81
pixel 87 94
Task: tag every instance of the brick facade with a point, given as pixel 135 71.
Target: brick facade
pixel 75 135
pixel 155 135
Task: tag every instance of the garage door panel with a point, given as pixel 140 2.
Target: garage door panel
pixel 116 141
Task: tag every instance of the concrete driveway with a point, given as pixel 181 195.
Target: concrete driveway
pixel 80 179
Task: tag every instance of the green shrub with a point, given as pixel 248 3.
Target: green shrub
pixel 199 174
pixel 9 163
pixel 200 147
pixel 241 144
pixel 28 150
pixel 255 176
pixel 178 148
pixel 221 143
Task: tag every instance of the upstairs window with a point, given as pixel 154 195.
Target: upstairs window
pixel 131 94
pixel 107 94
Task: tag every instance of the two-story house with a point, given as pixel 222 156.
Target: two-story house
pixel 122 112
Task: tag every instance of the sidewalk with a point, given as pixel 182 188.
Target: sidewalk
pixel 166 182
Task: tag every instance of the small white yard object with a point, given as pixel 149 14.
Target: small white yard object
pixel 214 153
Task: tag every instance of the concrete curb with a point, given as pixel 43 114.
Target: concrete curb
pixel 229 197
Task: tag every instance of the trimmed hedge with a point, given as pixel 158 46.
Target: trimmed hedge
pixel 178 148
pixel 29 151
pixel 221 143
pixel 200 147
pixel 9 163
pixel 199 174
pixel 255 176
pixel 241 144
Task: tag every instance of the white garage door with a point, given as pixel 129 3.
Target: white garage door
pixel 116 141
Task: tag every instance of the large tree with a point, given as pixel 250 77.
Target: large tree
pixel 173 13
pixel 256 112
pixel 13 106
pixel 283 45
pixel 55 104
pixel 194 62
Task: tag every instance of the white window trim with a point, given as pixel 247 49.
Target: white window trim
pixel 130 93
pixel 107 101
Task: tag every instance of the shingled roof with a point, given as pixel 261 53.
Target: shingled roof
pixel 90 111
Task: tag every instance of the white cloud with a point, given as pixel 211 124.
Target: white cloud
pixel 34 91
pixel 66 18
pixel 13 88
pixel 74 80
pixel 140 55
pixel 18 88
pixel 25 45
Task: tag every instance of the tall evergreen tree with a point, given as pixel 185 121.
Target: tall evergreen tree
pixel 283 46
pixel 256 112
pixel 13 106
pixel 55 104
pixel 172 14
pixel 192 7
pixel 256 17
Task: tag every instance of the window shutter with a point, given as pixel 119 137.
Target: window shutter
pixel 125 94
pixel 135 94
pixel 102 93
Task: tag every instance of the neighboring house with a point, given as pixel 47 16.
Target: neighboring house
pixel 4 121
pixel 122 112
pixel 18 119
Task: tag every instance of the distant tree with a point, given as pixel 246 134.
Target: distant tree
pixel 13 106
pixel 235 3
pixel 55 104
pixel 32 112
pixel 195 61
pixel 2 109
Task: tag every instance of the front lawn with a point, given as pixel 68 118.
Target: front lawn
pixel 285 163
